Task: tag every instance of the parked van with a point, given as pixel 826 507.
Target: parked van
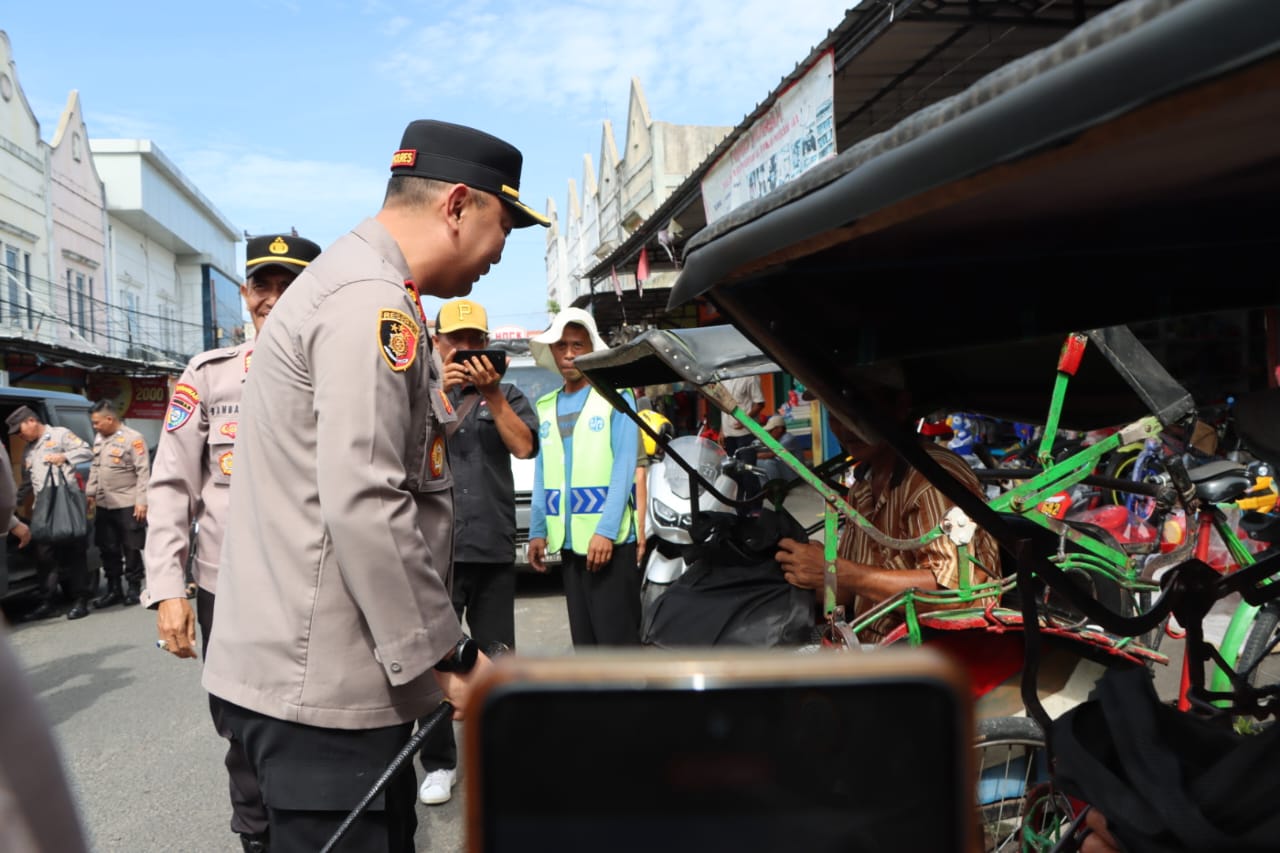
pixel 56 408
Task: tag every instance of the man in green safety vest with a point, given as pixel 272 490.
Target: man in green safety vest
pixel 582 500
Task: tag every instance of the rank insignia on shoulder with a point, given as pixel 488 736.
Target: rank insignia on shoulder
pixel 398 335
pixel 138 446
pixel 181 406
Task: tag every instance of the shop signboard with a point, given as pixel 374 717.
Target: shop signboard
pixel 794 135
pixel 135 397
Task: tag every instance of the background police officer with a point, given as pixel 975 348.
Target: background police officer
pixel 117 492
pixel 191 483
pixel 51 446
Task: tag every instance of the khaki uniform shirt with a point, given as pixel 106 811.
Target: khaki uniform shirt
pixel 191 479
pixel 120 470
pixel 55 440
pixel 333 597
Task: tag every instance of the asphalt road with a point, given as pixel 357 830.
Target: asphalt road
pixel 133 724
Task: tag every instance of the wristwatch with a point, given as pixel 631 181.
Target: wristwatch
pixel 462 658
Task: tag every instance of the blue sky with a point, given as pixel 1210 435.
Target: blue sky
pixel 285 113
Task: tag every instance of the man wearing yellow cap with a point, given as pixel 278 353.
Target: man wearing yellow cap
pixel 495 421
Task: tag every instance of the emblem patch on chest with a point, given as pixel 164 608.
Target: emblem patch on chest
pixel 398 335
pixel 181 406
pixel 228 429
pixel 224 462
pixel 436 460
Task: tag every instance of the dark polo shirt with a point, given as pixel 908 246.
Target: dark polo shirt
pixel 484 501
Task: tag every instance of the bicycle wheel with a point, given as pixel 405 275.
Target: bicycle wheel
pixel 1255 654
pixel 1010 761
pixel 1119 467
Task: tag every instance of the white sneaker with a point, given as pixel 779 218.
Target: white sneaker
pixel 437 788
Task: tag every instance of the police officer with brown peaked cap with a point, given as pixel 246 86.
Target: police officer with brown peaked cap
pixel 336 630
pixel 191 482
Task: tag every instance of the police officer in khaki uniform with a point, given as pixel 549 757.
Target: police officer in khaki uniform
pixel 191 482
pixel 117 492
pixel 335 626
pixel 51 446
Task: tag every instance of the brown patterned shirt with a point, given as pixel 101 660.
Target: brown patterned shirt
pixel 908 509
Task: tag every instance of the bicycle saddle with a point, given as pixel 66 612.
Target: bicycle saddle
pixel 1220 481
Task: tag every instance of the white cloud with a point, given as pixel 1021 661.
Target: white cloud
pixel 396 25
pixel 578 58
pixel 107 125
pixel 256 188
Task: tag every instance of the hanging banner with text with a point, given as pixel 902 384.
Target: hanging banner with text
pixel 796 133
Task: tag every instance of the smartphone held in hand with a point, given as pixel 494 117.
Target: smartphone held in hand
pixel 497 357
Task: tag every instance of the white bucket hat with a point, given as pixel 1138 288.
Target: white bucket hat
pixel 540 345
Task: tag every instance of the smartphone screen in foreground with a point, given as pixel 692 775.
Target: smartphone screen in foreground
pixel 869 765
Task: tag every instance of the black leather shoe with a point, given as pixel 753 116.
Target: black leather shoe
pixel 44 611
pixel 254 843
pixel 131 597
pixel 80 610
pixel 112 596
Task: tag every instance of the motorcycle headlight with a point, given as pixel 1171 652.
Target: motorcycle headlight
pixel 665 515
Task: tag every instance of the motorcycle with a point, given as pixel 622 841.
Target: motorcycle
pixel 670 510
pixel 710 578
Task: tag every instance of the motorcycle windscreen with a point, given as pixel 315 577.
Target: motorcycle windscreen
pixel 703 456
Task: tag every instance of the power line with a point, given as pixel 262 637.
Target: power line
pixel 52 284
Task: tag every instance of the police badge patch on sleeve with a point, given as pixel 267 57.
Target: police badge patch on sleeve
pixel 398 335
pixel 181 406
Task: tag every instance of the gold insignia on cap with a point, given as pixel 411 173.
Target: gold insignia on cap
pixel 506 190
pixel 278 247
pixel 404 157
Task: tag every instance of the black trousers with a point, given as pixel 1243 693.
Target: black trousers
pixel 604 606
pixel 311 779
pixel 65 561
pixel 485 593
pixel 248 814
pixel 120 538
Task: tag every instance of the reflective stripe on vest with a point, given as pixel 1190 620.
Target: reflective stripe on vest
pixel 592 468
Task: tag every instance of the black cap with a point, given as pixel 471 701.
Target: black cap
pixel 278 250
pixel 464 155
pixel 19 416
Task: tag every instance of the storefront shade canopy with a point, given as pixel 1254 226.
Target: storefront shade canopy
pixel 1127 175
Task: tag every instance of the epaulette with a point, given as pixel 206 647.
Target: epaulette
pixel 213 355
